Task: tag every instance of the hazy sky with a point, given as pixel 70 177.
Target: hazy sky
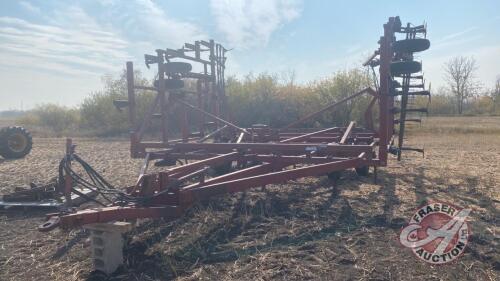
pixel 57 51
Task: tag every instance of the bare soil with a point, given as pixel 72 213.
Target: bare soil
pixel 309 229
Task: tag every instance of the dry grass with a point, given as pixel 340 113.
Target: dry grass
pixel 6 122
pixel 306 229
pixel 459 125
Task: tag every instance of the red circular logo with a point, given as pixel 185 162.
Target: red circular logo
pixel 437 232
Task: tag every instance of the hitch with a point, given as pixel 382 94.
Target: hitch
pixel 50 224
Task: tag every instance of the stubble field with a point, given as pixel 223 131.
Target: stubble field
pixel 309 229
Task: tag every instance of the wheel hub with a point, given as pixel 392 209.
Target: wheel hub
pixel 17 142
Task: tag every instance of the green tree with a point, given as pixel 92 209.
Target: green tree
pixel 341 85
pixel 99 115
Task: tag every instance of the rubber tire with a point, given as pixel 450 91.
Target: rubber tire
pixel 223 168
pixel 171 84
pixel 411 45
pixel 363 171
pixel 166 162
pixel 334 176
pixel 6 151
pixel 177 67
pixel 405 67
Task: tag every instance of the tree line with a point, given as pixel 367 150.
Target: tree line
pixel 268 99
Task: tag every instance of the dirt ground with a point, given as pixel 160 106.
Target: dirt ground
pixel 309 229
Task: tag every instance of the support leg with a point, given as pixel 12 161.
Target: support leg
pixel 107 245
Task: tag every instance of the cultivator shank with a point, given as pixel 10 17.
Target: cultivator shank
pixel 219 157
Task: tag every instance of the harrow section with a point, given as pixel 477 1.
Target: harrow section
pixel 219 157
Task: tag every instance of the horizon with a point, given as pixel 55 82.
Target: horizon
pixel 52 52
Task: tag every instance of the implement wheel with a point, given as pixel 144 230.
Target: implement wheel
pixel 223 168
pixel 334 176
pixel 363 171
pixel 405 67
pixel 15 142
pixel 411 45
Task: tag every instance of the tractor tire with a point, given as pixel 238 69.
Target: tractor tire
pixel 399 68
pixel 15 142
pixel 411 45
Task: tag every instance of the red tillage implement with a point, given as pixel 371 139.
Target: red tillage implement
pixel 246 157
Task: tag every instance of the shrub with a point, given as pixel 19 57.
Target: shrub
pixel 265 99
pixel 58 119
pixel 99 115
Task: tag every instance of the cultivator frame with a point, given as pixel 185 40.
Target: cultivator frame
pixel 243 157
